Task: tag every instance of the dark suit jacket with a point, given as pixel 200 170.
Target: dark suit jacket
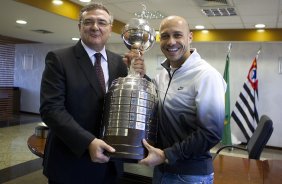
pixel 72 105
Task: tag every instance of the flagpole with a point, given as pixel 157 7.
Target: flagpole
pixel 258 52
pixel 226 138
pixel 229 48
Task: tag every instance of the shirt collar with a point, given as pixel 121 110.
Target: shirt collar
pixel 91 52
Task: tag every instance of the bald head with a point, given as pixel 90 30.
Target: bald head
pixel 172 20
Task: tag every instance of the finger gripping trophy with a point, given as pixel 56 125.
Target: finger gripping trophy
pixel 130 103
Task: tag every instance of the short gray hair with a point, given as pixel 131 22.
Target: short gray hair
pixel 95 6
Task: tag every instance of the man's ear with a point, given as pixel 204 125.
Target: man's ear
pixel 111 30
pixel 190 37
pixel 79 26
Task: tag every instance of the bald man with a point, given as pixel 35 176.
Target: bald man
pixel 190 111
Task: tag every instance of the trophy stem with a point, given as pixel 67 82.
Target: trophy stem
pixel 132 72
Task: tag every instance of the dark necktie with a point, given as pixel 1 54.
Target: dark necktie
pixel 99 71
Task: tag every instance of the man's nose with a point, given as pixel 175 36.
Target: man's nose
pixel 95 26
pixel 171 41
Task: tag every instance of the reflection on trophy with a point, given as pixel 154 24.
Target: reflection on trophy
pixel 130 103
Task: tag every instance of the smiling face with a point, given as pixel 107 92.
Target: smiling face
pixel 175 39
pixel 95 28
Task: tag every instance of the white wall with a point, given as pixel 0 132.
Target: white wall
pixel 29 78
pixel 242 55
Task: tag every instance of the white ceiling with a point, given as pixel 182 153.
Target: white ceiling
pixel 249 13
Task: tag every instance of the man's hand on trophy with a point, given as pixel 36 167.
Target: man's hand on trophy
pixel 139 67
pixel 155 156
pixel 134 60
pixel 127 59
pixel 97 149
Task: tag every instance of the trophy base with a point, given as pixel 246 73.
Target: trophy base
pixel 127 154
pixel 128 148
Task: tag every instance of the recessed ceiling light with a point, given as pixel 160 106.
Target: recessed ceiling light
pixel 75 39
pixel 260 25
pixel 200 27
pixel 57 2
pixel 21 22
pixel 85 1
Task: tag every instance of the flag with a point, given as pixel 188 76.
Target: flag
pixel 245 112
pixel 226 139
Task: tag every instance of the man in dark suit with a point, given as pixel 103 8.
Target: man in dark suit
pixel 72 104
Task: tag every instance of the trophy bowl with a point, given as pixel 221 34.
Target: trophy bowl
pixel 137 34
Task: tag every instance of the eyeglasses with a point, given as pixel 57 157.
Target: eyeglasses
pixel 91 22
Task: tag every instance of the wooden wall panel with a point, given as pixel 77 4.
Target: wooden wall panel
pixel 7 89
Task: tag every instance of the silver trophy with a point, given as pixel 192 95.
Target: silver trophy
pixel 130 103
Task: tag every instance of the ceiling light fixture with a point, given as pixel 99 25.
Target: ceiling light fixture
pixel 21 22
pixel 57 2
pixel 75 39
pixel 200 27
pixel 260 26
pixel 146 14
pixel 85 1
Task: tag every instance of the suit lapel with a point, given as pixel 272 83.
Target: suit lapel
pixel 87 67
